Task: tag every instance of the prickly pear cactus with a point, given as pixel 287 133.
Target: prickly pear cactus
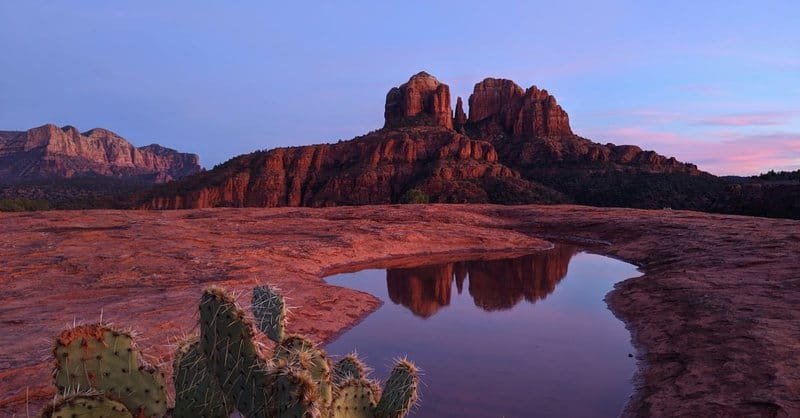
pixel 292 393
pixel 297 349
pixel 100 358
pixel 87 406
pixel 354 398
pixel 399 392
pixel 226 340
pixel 269 309
pixel 197 392
pixel 348 367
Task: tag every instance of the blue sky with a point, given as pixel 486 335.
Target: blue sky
pixel 712 82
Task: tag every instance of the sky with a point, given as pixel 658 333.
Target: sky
pixel 716 83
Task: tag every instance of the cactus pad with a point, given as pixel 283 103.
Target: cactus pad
pixel 226 339
pixel 399 392
pixel 87 406
pixel 303 352
pixel 99 358
pixel 354 398
pixel 269 309
pixel 292 393
pixel 197 392
pixel 348 367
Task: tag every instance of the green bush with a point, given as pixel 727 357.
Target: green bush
pixel 414 196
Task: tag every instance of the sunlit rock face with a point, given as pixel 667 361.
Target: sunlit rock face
pixel 423 100
pixel 521 113
pixel 493 284
pixel 52 152
pixel 376 168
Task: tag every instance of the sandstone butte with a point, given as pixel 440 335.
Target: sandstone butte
pixel 714 316
pixel 52 152
pixel 499 153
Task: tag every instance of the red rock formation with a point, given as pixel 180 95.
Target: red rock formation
pixel 50 151
pixel 503 152
pixel 372 169
pixel 460 118
pixel 423 100
pixel 530 130
pixel 522 113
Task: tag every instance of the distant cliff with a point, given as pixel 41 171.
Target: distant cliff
pixel 49 152
pixel 500 153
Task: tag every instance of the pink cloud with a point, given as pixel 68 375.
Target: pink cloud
pixel 748 119
pixel 721 153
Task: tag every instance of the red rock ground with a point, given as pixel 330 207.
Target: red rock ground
pixel 714 316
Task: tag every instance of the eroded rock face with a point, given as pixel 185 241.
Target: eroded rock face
pixel 373 169
pixel 531 132
pixel 423 100
pixel 50 151
pixel 460 118
pixel 521 113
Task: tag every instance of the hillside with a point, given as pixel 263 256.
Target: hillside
pixel 516 146
pixel 70 169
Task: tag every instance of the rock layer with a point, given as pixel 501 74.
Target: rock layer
pixel 52 152
pixel 376 168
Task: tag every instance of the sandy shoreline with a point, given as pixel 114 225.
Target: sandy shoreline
pixel 713 317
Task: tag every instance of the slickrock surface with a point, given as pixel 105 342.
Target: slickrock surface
pixel 714 316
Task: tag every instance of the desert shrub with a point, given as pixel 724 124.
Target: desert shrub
pixel 414 196
pixel 23 205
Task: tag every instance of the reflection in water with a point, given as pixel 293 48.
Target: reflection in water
pixel 565 355
pixel 493 284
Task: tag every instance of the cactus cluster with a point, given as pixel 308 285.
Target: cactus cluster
pixel 100 373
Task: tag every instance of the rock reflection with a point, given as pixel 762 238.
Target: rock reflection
pixel 493 284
